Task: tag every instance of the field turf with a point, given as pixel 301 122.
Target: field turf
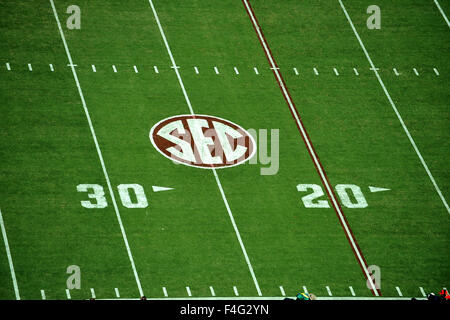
pixel 185 237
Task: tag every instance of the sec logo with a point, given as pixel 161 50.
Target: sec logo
pixel 202 141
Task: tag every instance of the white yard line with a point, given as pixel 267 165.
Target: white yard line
pixel 8 253
pixel 442 12
pixel 171 58
pixel 196 70
pixel 415 71
pixel 165 291
pixel 68 294
pixel 352 291
pixel 230 214
pixel 396 72
pixel 400 294
pixel 51 67
pixel 116 290
pixel 29 67
pixel 422 292
pixel 8 67
pixel 436 71
pixel 438 190
pixel 283 293
pixel 212 291
pixel 216 70
pixel 114 68
pixel 311 150
pixel 135 69
pixel 256 70
pixel 335 71
pixel 329 291
pixel 356 71
pixel 241 243
pixel 93 293
pixel 189 291
pixel 97 146
pixel 156 69
pixel 296 71
pixel 316 72
pixel 236 293
pixel 43 295
pixel 236 70
pixel 305 290
pixel 94 69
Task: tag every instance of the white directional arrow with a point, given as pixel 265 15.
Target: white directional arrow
pixel 157 189
pixel 376 189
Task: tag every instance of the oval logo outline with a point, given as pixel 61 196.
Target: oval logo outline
pixel 236 127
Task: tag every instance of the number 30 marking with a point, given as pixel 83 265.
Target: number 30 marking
pixel 98 195
pixel 124 192
pixel 141 200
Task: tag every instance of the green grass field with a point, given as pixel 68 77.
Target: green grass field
pixel 186 237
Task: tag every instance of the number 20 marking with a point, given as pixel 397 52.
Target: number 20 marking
pixel 124 192
pixel 311 200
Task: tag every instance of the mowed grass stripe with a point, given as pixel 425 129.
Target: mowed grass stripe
pixel 47 150
pixel 353 128
pixel 331 195
pixel 394 107
pixel 99 153
pixel 176 237
pixel 174 65
pixel 268 209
